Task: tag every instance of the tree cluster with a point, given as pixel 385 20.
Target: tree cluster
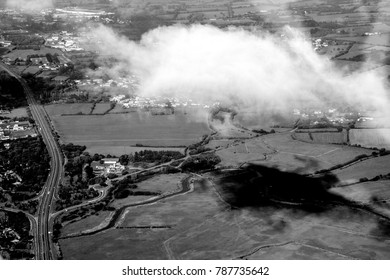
pixel 29 159
pixel 11 92
pixel 19 223
pixel 201 162
pixel 150 156
pixel 78 173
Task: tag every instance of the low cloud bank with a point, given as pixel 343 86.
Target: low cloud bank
pixel 266 74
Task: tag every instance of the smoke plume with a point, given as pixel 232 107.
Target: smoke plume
pixel 264 73
pixel 32 5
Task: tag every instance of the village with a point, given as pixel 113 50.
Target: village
pixel 11 130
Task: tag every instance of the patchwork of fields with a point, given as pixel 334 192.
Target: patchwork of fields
pixel 198 225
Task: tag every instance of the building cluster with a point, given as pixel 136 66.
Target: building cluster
pixel 4 43
pixel 107 166
pixel 319 44
pixel 10 175
pixel 64 41
pixel 10 130
pixel 371 33
pixel 125 83
pixel 155 102
pixel 76 14
pixel 328 116
pixel 10 234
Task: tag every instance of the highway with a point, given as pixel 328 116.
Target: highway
pixel 44 248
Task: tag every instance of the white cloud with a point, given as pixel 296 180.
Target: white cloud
pixel 30 4
pixel 262 73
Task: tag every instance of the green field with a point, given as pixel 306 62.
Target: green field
pixel 24 53
pixel 378 138
pixel 123 150
pixel 101 108
pixel 302 157
pixel 374 40
pixel 240 152
pixel 179 213
pixel 85 224
pixel 16 113
pixel 122 130
pixel 163 184
pixel 56 110
pixel 197 225
pixel 364 192
pixel 322 137
pixel 367 168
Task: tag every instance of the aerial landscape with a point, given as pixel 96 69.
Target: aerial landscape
pixel 195 130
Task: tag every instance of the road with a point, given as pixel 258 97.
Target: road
pixel 44 249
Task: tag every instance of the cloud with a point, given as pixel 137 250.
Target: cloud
pixel 29 4
pixel 260 72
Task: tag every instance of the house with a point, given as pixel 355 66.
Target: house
pixel 60 79
pixel 5 43
pixel 110 161
pixel 97 167
pixel 107 165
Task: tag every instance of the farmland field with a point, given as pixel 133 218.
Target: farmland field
pixel 239 153
pixel 101 108
pixel 213 144
pixel 16 113
pixel 367 168
pixel 379 138
pixel 198 225
pixel 122 130
pixel 283 142
pixel 374 40
pixel 24 53
pixel 230 156
pixel 85 224
pixel 123 150
pixel 334 51
pixel 55 110
pixel 347 17
pixel 322 137
pixel 163 184
pixel 364 192
pixel 350 67
pixel 119 109
pixel 302 157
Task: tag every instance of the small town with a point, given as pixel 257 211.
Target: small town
pixel 11 130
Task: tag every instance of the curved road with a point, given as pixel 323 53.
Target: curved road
pixel 44 248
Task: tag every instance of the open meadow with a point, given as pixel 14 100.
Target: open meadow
pixel 101 108
pixel 302 157
pixel 201 225
pixel 369 168
pixel 378 138
pixel 16 113
pixel 366 191
pixel 123 130
pixel 28 52
pixel 56 110
pixel 322 137
pixel 240 152
pixel 162 184
pixel 125 150
pixel 86 223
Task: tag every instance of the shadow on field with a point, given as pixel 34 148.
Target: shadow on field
pixel 267 188
pixel 256 186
